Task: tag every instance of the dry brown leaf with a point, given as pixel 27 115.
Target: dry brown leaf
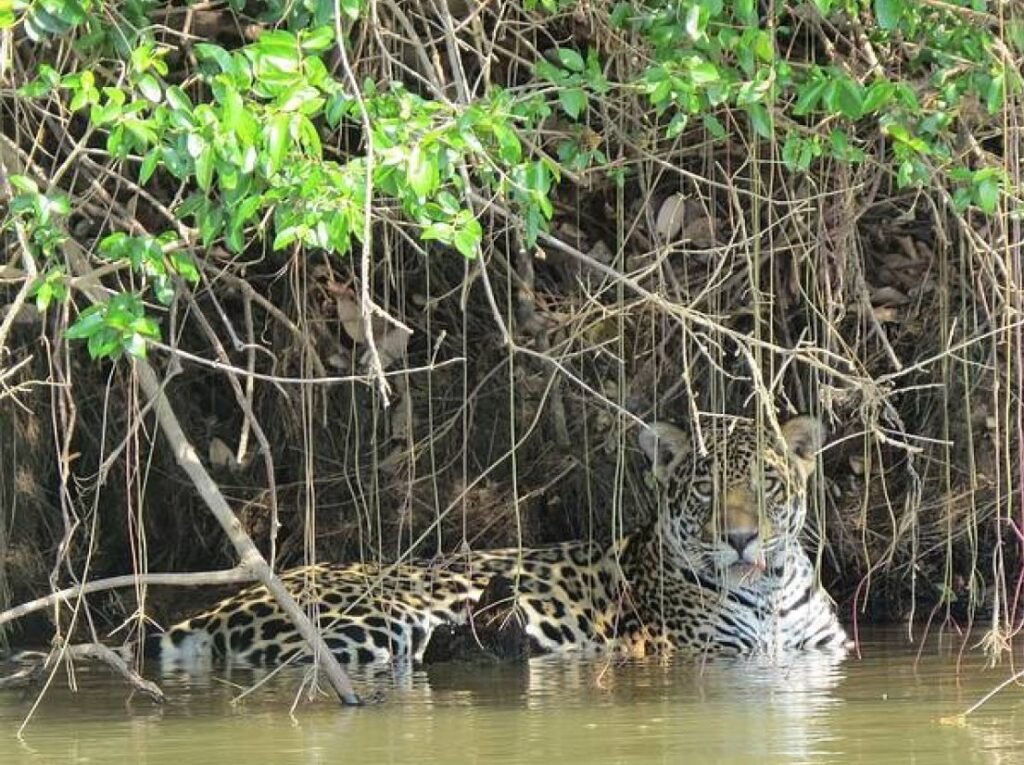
pixel 350 315
pixel 338 360
pixel 886 314
pixel 391 344
pixel 888 296
pixel 601 252
pixel 671 217
pixel 221 455
pixel 699 229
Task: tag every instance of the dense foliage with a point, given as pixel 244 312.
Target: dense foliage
pixel 244 131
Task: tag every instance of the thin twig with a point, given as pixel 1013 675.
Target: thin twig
pixel 365 271
pixel 1015 678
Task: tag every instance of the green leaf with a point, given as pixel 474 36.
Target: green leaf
pixel 178 99
pixel 336 107
pixel 677 124
pixel 961 199
pixel 714 126
pixel 692 26
pixel 115 142
pixel 59 204
pixel 215 53
pixel 148 166
pixel 538 177
pixel 24 184
pixel 996 93
pixel 70 12
pixel 704 73
pixel 987 193
pixel 660 94
pixel 103 343
pixel 44 294
pixel 41 22
pixel 185 266
pixel 534 224
pixel 118 316
pixel 421 171
pixel 573 101
pixel 467 239
pixel 760 120
pixel 150 89
pixel 764 46
pixel 135 345
pixel 163 289
pixel 621 15
pixel 195 145
pixel 846 97
pixel 888 13
pixel 295 97
pixel 211 221
pixel 879 94
pixel 545 70
pixel 277 138
pixel 791 151
pixel 44 83
pixel 309 138
pixel 142 131
pixel 82 97
pixel 234 107
pixel 204 169
pixel 285 237
pixel 809 96
pixel 146 326
pixel 510 150
pixel 440 231
pixel 88 322
pixel 447 202
pixel 320 39
pixel 571 59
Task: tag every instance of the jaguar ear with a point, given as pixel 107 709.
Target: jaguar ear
pixel 804 437
pixel 665 445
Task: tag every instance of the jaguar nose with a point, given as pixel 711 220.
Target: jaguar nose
pixel 739 540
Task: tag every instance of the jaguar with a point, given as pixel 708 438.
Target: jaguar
pixel 719 568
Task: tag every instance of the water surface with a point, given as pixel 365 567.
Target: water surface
pixel 888 706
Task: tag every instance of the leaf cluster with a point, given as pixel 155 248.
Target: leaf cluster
pixel 253 136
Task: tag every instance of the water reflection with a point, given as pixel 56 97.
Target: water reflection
pixel 806 709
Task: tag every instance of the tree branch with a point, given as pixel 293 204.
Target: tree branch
pixel 190 579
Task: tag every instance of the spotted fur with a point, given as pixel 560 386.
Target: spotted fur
pixel 719 569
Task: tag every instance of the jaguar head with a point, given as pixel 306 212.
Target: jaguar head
pixel 731 509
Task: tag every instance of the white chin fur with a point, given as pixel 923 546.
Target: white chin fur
pixel 727 557
pixel 742 574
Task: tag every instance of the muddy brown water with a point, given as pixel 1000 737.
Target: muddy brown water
pixel 887 707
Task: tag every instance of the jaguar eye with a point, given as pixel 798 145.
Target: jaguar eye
pixel 704 487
